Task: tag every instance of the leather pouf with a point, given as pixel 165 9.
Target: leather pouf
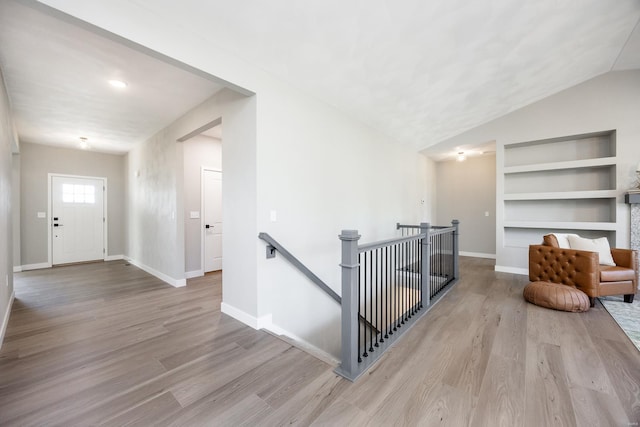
pixel 556 296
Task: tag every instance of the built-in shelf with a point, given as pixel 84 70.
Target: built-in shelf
pixel 566 184
pixel 562 225
pixel 563 195
pixel 573 164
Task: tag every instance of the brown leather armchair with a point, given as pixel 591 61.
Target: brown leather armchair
pixel 550 263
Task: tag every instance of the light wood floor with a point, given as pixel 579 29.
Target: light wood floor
pixel 107 344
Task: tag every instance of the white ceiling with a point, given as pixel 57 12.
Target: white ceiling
pixel 418 71
pixel 421 71
pixel 57 77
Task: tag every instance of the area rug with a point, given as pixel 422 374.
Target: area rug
pixel 626 315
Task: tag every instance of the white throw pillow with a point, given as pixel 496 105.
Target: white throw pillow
pixel 600 245
pixel 563 239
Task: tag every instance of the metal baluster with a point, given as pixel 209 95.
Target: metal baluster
pixel 375 286
pixel 420 255
pixel 370 300
pixel 404 282
pixel 359 305
pixel 386 291
pixel 365 354
pixel 396 282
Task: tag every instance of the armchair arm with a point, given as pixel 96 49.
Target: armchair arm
pixel 624 257
pixel 567 266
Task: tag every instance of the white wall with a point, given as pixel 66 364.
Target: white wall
pixel 610 101
pixel 199 151
pixel 466 191
pixel 321 170
pixel 157 200
pixel 36 162
pixel 8 144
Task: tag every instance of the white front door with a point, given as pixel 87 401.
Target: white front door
pixel 77 219
pixel 212 209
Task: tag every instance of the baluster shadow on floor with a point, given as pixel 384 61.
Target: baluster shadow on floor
pixel 107 344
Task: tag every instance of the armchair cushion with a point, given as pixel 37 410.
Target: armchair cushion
pixel 601 246
pixel 616 274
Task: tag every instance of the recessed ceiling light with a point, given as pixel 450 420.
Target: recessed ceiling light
pixel 118 83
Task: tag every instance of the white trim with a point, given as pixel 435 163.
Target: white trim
pixel 5 320
pixel 512 270
pixel 176 283
pixel 301 343
pixel 113 257
pixel 39 266
pixel 478 255
pixel 247 319
pixel 266 322
pixel 194 273
pixel 105 228
pixel 202 219
pixel 17 268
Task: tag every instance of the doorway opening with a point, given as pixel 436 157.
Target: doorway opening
pixel 203 199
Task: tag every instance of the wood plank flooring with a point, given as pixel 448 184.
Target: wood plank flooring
pixel 107 344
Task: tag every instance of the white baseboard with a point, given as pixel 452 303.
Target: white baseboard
pixel 36 266
pixel 17 268
pixel 512 270
pixel 113 257
pixel 247 319
pixel 301 343
pixel 266 322
pixel 194 273
pixel 176 283
pixel 478 255
pixel 5 319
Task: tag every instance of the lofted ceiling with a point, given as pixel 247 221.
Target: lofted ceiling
pixel 57 77
pixel 417 71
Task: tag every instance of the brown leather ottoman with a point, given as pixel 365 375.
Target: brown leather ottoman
pixel 556 296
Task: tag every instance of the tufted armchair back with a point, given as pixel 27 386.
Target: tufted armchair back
pixel 567 266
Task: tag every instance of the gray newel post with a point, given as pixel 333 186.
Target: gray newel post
pixel 456 249
pixel 425 227
pixel 350 325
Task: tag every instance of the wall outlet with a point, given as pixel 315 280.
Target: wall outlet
pixel 486 213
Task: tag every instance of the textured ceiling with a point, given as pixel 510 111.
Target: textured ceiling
pixel 56 74
pixel 418 71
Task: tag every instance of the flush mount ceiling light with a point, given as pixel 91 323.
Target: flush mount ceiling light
pixel 83 143
pixel 461 156
pixel 118 84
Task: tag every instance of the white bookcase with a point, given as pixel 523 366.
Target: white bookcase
pixel 565 185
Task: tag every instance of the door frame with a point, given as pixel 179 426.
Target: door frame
pixel 202 219
pixel 105 229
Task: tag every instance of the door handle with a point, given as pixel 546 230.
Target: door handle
pixel 207 226
pixel 57 225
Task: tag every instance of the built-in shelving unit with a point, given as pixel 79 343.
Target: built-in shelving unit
pixel 565 184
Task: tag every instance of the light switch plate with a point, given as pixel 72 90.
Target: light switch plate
pixel 42 214
pixel 194 214
pixel 273 216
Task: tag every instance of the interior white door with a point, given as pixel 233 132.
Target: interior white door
pixel 212 214
pixel 77 219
